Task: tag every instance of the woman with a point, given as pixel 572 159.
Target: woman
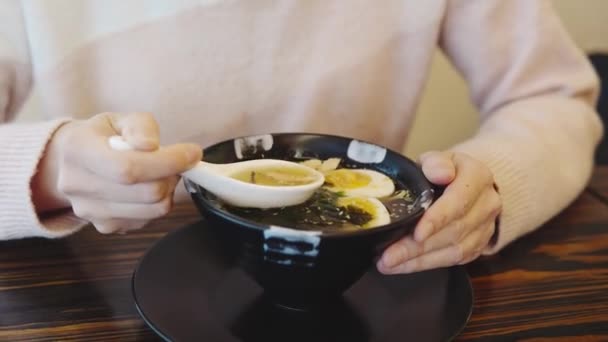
pixel 208 70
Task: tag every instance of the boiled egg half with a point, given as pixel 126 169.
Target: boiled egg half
pixel 359 182
pixel 369 205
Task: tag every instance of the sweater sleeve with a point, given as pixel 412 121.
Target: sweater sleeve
pixel 21 145
pixel 536 93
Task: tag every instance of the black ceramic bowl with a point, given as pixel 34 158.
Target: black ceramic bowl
pixel 297 268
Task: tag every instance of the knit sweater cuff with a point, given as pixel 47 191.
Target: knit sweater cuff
pixel 22 146
pixel 513 182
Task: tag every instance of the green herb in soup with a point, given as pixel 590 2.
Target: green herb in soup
pixel 320 211
pixel 276 176
pixel 345 203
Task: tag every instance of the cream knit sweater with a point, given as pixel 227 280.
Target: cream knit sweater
pixel 210 70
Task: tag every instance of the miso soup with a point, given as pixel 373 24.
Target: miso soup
pixel 275 176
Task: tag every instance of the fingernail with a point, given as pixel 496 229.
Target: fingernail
pixel 423 231
pixel 440 175
pixel 394 256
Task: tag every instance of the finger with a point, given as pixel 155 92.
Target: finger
pixel 82 183
pixel 485 210
pixel 118 226
pixel 438 167
pixel 139 130
pixel 96 210
pixel 451 255
pixel 89 147
pixel 483 240
pixel 398 253
pixel 129 167
pixel 457 199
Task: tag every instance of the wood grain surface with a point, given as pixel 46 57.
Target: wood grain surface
pixel 551 284
pixel 598 186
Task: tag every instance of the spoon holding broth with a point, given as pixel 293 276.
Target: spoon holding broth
pixel 258 183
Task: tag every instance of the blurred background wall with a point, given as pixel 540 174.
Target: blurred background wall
pixel 445 115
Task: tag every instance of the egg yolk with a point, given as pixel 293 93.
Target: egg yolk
pixel 347 179
pixel 358 202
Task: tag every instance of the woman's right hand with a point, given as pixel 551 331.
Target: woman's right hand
pixel 116 191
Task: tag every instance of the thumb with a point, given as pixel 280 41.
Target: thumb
pixel 139 130
pixel 438 167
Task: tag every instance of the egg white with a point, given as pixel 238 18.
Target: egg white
pixel 379 185
pixel 379 213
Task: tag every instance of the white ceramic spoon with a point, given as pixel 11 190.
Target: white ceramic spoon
pixel 216 179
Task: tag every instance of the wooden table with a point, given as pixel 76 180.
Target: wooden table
pixel 551 283
pixel 599 184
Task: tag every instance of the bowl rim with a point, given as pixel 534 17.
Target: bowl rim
pixel 198 198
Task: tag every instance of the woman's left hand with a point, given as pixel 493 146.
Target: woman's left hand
pixel 458 226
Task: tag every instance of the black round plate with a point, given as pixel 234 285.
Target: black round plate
pixel 186 289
